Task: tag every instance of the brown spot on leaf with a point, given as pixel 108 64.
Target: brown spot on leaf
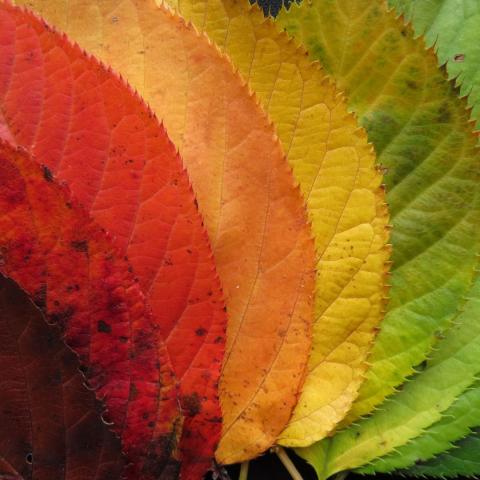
pixel 80 245
pixel 103 327
pixel 191 404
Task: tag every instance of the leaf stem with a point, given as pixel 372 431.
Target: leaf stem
pixel 287 463
pixel 244 471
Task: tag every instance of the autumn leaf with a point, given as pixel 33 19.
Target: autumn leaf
pixel 254 215
pixel 91 131
pixel 335 168
pixel 50 424
pixel 422 134
pixel 68 266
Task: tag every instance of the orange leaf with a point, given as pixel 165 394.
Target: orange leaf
pixel 60 257
pixel 254 214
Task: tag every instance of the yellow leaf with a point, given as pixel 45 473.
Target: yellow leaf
pixel 335 167
pixel 254 214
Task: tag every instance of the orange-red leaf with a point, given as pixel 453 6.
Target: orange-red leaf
pixel 50 247
pixel 50 425
pixel 93 132
pixel 253 213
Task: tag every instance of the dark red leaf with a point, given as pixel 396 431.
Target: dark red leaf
pixel 50 424
pixel 88 128
pixel 51 248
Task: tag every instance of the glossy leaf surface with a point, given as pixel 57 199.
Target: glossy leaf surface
pixel 421 132
pixel 93 132
pixel 253 213
pixel 335 168
pixel 50 424
pixel 68 266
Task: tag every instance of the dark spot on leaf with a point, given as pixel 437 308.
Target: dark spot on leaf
pixel 47 174
pixel 459 57
pixel 412 84
pixel 80 245
pixel 218 340
pixel 215 420
pixel 191 404
pixel 103 327
pixel 444 114
pixel 200 332
pixel 123 339
pixel 133 392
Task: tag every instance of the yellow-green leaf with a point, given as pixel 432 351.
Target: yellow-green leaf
pixel 422 134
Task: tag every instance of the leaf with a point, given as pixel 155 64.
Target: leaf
pixel 459 461
pixel 455 424
pixel 422 134
pixel 50 424
pixel 94 133
pixel 67 265
pixel 335 168
pixel 451 27
pixel 253 213
pixel 450 371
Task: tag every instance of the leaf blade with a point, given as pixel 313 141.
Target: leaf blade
pixel 417 125
pixel 246 221
pixel 46 411
pixel 91 294
pixel 90 130
pixel 336 172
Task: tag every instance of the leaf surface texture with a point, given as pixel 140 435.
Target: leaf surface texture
pixel 451 27
pixel 93 132
pixel 422 135
pixel 422 402
pixel 68 266
pixel 50 425
pixel 253 212
pixel 335 168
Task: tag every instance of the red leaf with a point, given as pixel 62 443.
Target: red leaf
pixel 50 247
pixel 50 426
pixel 90 130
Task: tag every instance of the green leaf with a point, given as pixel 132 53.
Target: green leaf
pixel 422 134
pixel 463 460
pixel 404 416
pixel 455 424
pixel 451 26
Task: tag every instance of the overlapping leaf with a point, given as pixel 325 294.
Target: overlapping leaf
pixel 422 134
pixel 455 423
pixel 335 168
pixel 50 424
pixel 92 131
pixel 450 371
pixel 451 27
pixel 254 214
pixel 459 461
pixel 67 265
